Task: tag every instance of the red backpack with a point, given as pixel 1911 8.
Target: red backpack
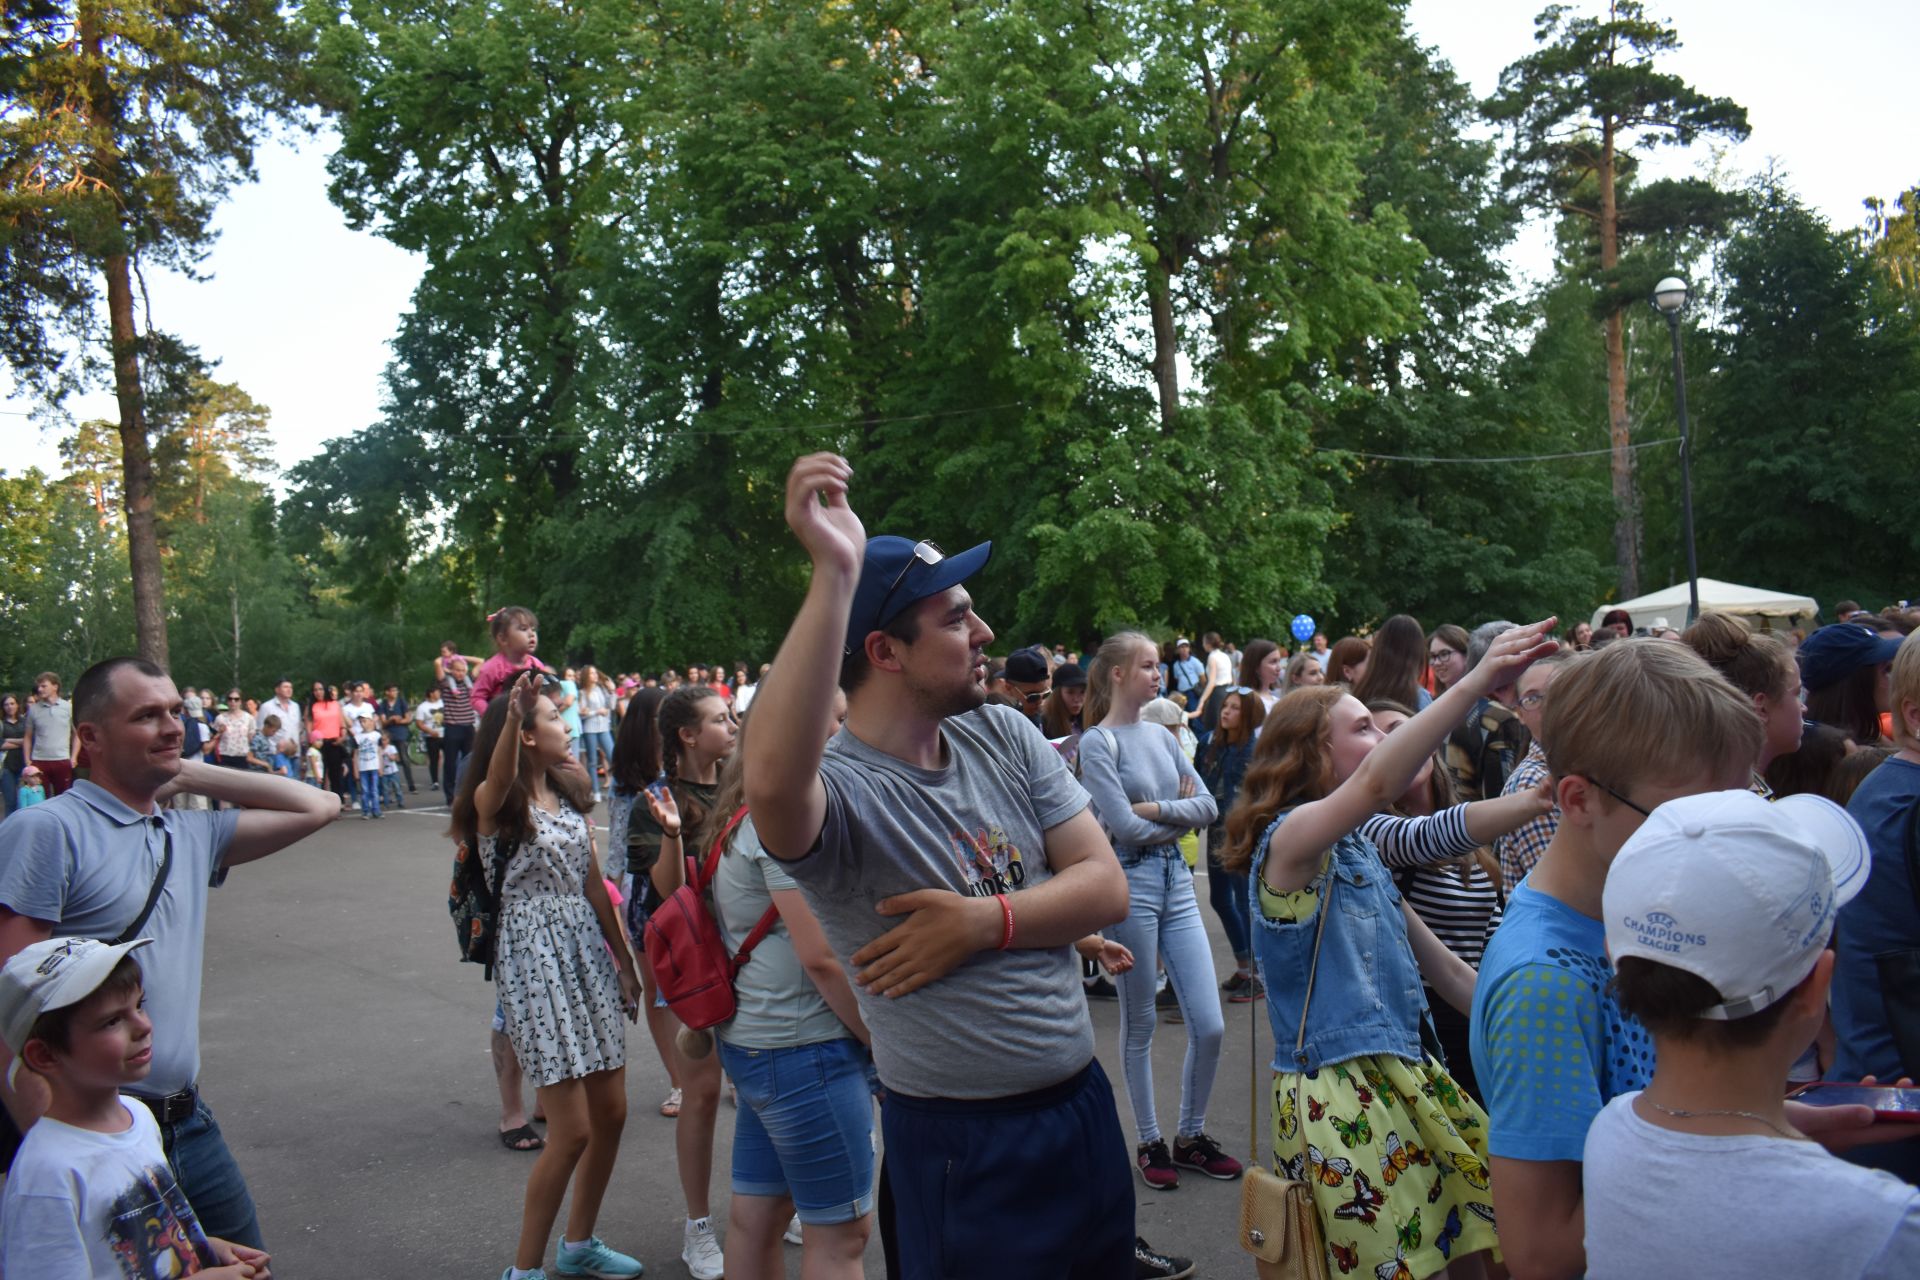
pixel 690 963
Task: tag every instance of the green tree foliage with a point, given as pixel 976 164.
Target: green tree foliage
pixel 121 126
pixel 1582 111
pixel 1806 445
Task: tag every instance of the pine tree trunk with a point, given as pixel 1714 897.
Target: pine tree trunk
pixel 1626 499
pixel 143 545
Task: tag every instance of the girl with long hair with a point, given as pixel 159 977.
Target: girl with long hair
pixel 1060 713
pixel 13 736
pixel 1262 667
pixel 326 729
pixel 1347 661
pixel 1146 794
pixel 635 763
pixel 697 734
pixel 1350 1074
pixel 1446 656
pixel 1395 664
pixel 1450 878
pixel 1304 672
pixel 596 725
pixel 795 1048
pixel 1222 763
pixel 562 967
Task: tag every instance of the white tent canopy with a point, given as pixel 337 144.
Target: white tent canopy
pixel 1756 604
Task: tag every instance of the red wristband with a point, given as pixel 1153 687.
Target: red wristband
pixel 1006 909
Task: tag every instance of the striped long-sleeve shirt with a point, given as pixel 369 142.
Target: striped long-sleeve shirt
pixel 1460 903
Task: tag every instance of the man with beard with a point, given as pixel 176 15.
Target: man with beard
pixel 953 862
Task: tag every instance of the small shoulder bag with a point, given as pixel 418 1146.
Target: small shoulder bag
pixel 1279 1224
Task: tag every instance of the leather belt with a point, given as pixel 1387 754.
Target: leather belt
pixel 173 1108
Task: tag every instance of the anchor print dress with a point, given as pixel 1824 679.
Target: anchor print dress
pixel 555 977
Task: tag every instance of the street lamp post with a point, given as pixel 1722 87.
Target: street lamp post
pixel 1670 299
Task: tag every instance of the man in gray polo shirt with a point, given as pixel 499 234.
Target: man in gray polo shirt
pixel 952 861
pixel 86 865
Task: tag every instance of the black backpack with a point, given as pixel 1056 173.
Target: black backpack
pixel 473 900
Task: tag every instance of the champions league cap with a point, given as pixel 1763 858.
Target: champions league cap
pixel 1735 890
pixel 899 572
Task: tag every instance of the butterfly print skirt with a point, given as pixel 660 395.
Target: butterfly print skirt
pixel 1396 1155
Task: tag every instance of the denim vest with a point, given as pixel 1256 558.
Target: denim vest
pixel 1366 991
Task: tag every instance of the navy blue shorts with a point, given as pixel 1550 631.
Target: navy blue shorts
pixel 1037 1186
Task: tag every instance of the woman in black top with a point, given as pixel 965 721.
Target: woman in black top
pixel 13 735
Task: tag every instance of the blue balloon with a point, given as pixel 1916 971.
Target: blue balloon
pixel 1303 627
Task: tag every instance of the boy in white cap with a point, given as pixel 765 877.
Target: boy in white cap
pixel 1719 913
pixel 90 1193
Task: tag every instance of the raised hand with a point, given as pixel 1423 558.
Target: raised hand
pixel 819 516
pixel 526 694
pixel 660 803
pixel 1509 655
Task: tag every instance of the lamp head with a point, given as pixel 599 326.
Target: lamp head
pixel 1670 295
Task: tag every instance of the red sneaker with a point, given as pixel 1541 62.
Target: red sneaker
pixel 1204 1154
pixel 1156 1166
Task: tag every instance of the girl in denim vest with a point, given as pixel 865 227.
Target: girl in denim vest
pixel 1394 1153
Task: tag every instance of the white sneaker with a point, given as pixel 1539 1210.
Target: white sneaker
pixel 701 1252
pixel 793 1230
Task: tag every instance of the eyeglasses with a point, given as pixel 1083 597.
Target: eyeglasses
pixel 1532 700
pixel 1441 655
pixel 1645 813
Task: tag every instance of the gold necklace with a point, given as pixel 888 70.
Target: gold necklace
pixel 1683 1114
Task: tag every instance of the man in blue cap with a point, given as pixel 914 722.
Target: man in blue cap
pixel 952 861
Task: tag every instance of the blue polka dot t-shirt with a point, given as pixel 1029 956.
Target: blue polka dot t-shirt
pixel 1549 1044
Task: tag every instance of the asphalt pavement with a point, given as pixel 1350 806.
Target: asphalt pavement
pixel 345 1054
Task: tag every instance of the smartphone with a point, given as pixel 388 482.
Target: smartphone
pixel 1888 1102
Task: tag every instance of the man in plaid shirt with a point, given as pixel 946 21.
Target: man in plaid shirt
pixel 1519 850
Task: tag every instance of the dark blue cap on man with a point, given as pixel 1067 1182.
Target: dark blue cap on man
pixel 899 572
pixel 1831 654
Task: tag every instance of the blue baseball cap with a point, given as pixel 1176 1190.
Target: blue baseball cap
pixel 899 572
pixel 1832 653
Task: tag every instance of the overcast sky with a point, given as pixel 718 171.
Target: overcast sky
pixel 299 310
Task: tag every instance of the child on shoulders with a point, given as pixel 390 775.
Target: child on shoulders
pixel 516 634
pixel 90 1193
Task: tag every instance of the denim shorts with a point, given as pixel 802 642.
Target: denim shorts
pixel 805 1127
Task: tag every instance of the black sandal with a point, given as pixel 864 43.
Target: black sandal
pixel 522 1139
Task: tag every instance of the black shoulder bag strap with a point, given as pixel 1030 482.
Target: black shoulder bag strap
pixel 132 931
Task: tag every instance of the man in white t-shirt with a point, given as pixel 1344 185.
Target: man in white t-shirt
pixel 1719 912
pixel 282 704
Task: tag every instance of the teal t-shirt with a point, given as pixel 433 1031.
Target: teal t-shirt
pixel 571 716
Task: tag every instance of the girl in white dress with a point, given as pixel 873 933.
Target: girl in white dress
pixel 563 969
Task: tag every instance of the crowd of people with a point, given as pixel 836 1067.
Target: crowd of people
pixel 1606 896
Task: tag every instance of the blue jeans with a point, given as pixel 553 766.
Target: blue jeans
pixel 596 749
pixel 805 1127
pixel 1228 894
pixel 10 788
pixel 370 792
pixel 206 1172
pixel 1163 927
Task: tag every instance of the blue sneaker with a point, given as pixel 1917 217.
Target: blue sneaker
pixel 595 1258
pixel 535 1274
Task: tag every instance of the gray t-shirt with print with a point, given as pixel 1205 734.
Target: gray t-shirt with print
pixel 776 1004
pixel 1004 1022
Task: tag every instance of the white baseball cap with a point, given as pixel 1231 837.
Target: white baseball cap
pixel 1736 890
pixel 44 976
